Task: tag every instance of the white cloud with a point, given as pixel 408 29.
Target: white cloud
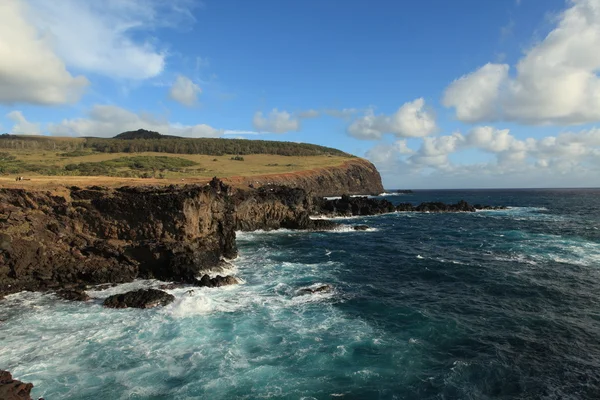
pixel 556 81
pixel 30 71
pixel 276 122
pixel 384 154
pixel 411 120
pixel 435 150
pixel 475 96
pixel 343 113
pixel 22 126
pixel 567 159
pixel 109 37
pixel 309 114
pixel 108 121
pixel 185 91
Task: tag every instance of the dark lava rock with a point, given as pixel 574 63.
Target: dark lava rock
pixel 461 206
pixel 312 290
pixel 143 298
pixel 347 206
pixel 11 389
pixel 360 227
pixel 171 286
pixel 487 207
pixel 217 281
pixel 73 295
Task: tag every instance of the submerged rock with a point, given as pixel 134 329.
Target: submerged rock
pixel 11 389
pixel 73 295
pixel 360 227
pixel 326 288
pixel 143 298
pixel 217 281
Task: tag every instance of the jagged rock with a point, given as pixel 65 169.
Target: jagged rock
pixel 143 298
pixel 170 286
pixel 217 281
pixel 360 227
pixel 318 289
pixel 348 206
pixel 11 389
pixel 102 235
pixel 487 207
pixel 461 206
pixel 73 295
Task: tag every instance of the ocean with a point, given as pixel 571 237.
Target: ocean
pixel 489 305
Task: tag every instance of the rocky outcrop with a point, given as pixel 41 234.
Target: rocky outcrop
pixel 12 389
pixel 315 289
pixel 217 281
pixel 143 298
pixel 355 176
pixel 98 235
pixel 352 206
pixel 73 295
pixel 349 206
pixel 274 207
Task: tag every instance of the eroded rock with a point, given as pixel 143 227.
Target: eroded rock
pixel 326 288
pixel 143 298
pixel 217 281
pixel 12 389
pixel 73 295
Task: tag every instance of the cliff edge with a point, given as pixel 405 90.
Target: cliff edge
pixel 355 176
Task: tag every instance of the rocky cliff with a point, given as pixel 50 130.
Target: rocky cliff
pixel 273 207
pixel 97 235
pixel 355 176
pixel 79 236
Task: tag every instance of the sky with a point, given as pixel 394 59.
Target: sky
pixel 436 93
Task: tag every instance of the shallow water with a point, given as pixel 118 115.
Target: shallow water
pixel 493 304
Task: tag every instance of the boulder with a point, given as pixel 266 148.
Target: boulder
pixel 360 227
pixel 217 281
pixel 143 298
pixel 326 288
pixel 11 389
pixel 73 295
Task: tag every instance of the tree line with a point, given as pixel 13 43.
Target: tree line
pixel 206 146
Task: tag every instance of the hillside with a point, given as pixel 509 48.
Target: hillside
pixel 51 162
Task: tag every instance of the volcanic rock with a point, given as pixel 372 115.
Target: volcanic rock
pixel 11 389
pixel 326 288
pixel 217 281
pixel 73 295
pixel 143 298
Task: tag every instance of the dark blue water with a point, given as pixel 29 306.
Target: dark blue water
pixel 487 305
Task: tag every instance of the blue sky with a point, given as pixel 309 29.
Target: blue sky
pixel 437 94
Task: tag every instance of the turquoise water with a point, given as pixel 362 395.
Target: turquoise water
pixel 494 304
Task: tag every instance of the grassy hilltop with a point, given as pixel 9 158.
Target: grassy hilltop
pixel 145 155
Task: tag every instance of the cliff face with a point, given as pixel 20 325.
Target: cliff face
pixel 355 176
pixel 100 235
pixel 274 207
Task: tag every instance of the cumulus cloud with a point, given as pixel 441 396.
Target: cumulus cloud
pixel 343 113
pixel 309 114
pixel 30 71
pixel 184 91
pixel 276 122
pixel 567 159
pixel 475 96
pixel 22 126
pixel 411 120
pixel 384 154
pixel 108 121
pixel 556 82
pixel 108 37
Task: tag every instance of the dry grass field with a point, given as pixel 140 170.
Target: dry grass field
pixel 205 168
